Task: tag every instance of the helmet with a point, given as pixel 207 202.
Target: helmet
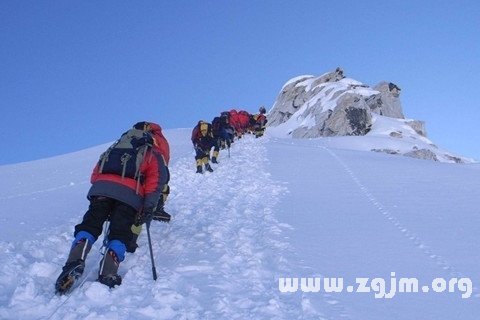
pixel 262 110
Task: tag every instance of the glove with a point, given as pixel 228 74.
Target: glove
pixel 144 217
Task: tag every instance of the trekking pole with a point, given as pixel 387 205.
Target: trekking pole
pixel 154 270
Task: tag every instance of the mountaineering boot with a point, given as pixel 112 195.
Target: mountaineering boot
pixel 70 273
pixel 215 156
pixel 161 215
pixel 107 274
pixel 208 168
pixel 74 266
pixel 136 229
pixel 80 250
pixel 199 169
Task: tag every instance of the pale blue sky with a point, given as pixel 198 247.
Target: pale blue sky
pixel 75 74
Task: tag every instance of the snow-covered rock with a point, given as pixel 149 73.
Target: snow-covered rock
pixel 422 154
pixel 333 105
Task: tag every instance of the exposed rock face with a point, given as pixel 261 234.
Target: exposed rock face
pixel 349 118
pixel 387 102
pixel 388 151
pixel 396 134
pixel 454 159
pixel 418 126
pixel 422 154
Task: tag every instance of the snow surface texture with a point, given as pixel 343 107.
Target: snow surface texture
pixel 332 105
pixel 276 208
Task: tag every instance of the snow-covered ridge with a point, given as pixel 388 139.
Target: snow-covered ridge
pixel 332 105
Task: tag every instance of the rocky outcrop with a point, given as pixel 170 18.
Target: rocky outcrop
pixel 425 154
pixel 334 105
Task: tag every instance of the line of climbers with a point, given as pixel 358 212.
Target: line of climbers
pixel 221 133
pixel 130 186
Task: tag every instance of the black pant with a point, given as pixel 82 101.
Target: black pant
pixel 202 152
pixel 121 217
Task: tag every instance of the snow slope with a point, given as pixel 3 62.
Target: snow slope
pixel 276 208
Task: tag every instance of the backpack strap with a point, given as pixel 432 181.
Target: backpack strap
pixel 104 156
pixel 124 159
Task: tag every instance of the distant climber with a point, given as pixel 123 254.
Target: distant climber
pixel 203 141
pixel 222 134
pixel 259 122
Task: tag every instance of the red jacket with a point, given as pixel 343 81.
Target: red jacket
pixel 235 121
pixel 244 119
pixel 160 141
pixel 143 193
